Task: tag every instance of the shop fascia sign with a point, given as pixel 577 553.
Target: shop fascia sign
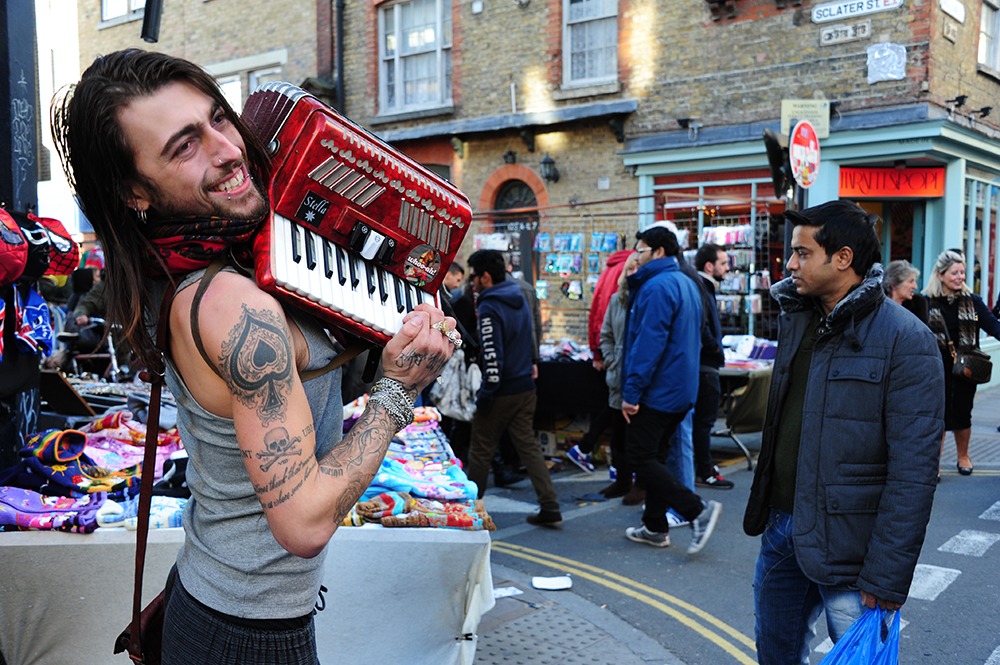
pixel 845 9
pixel 891 183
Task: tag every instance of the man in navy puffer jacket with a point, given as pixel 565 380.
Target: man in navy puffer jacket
pixel 660 383
pixel 507 397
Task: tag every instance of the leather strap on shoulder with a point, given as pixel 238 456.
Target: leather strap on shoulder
pixel 206 279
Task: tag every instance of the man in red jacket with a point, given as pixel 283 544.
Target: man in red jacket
pixel 600 420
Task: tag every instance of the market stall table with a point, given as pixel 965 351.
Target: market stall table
pixel 395 595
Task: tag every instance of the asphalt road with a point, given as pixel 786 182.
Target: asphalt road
pixel 701 607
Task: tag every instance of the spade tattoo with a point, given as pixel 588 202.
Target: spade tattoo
pixel 256 361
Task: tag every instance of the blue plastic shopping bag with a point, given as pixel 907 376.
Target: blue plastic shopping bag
pixel 862 643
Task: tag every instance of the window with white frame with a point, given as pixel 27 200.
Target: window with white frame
pixel 414 56
pixel 232 90
pixel 590 42
pixel 989 23
pixel 114 8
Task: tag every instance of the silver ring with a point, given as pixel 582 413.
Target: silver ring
pixel 454 338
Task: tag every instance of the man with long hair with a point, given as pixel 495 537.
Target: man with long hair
pixel 171 178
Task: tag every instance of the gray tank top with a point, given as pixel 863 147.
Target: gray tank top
pixel 230 561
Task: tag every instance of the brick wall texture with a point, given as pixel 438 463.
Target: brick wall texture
pixel 672 58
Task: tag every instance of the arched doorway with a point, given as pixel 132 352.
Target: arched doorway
pixel 520 227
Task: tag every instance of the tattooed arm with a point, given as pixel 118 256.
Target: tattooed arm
pixel 247 335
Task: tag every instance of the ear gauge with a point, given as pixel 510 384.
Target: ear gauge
pixel 141 216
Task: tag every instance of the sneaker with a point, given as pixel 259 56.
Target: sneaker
pixel 675 521
pixel 545 517
pixel 715 481
pixel 640 534
pixel 613 472
pixel 703 526
pixel 580 458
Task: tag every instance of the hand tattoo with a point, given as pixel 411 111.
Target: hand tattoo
pixel 256 362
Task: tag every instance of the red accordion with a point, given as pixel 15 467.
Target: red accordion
pixel 360 233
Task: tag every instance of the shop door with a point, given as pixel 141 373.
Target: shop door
pixel 520 228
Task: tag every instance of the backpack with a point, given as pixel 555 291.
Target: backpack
pixel 13 250
pixel 64 253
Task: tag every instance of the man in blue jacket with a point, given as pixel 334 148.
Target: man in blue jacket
pixel 849 452
pixel 660 383
pixel 507 397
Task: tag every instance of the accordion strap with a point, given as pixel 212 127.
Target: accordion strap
pixel 213 269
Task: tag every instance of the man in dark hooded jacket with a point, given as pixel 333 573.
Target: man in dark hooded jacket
pixel 507 398
pixel 849 453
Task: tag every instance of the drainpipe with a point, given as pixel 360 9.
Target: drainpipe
pixel 340 55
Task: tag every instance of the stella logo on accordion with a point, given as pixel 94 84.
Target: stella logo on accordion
pixel 313 209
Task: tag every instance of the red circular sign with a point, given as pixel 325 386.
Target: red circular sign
pixel 803 153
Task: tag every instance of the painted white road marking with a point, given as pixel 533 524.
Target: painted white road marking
pixel 970 543
pixel 994 658
pixel 930 581
pixel 827 645
pixel 992 513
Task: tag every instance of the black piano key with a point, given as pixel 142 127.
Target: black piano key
pixel 327 259
pixel 410 295
pixel 296 245
pixel 370 274
pixel 310 250
pixel 341 268
pixel 352 261
pixel 383 292
pixel 400 301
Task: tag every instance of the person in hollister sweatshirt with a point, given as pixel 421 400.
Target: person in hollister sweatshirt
pixel 507 397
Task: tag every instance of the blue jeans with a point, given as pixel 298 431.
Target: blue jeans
pixel 680 459
pixel 787 604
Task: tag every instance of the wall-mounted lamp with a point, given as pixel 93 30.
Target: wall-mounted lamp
pixel 549 170
pixel 958 102
pixel 458 146
pixel 899 165
pixel 686 123
pixel 509 157
pixel 983 112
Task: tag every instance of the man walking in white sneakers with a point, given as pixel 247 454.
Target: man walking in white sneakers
pixel 659 385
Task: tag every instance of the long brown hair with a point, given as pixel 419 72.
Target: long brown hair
pixel 100 165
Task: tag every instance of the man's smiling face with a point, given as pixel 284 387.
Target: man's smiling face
pixel 193 156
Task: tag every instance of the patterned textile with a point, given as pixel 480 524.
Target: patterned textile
pixel 186 245
pixel 30 510
pixel 968 325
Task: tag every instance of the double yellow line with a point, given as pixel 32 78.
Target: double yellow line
pixel 701 622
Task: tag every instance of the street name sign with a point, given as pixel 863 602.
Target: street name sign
pixel 845 9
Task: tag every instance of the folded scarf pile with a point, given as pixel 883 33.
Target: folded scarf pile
pixel 25 509
pixel 55 465
pixel 400 509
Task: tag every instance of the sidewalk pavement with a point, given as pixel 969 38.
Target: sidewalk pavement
pixel 558 628
pixel 561 627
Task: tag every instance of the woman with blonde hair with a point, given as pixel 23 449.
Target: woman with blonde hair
pixel 957 314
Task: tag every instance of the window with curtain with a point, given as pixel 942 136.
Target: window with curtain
pixel 988 51
pixel 590 42
pixel 415 56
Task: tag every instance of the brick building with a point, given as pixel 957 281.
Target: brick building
pixel 643 110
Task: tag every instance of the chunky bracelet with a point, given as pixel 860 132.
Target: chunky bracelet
pixel 390 395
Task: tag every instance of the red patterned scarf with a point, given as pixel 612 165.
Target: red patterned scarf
pixel 189 244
